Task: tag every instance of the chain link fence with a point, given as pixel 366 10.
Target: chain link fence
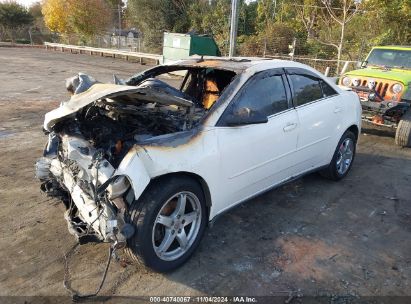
pixel 27 35
pixel 111 41
pixel 324 59
pixel 286 48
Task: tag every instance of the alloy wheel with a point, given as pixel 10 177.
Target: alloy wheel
pixel 176 226
pixel 345 156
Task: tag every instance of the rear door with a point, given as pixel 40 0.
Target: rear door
pixel 319 113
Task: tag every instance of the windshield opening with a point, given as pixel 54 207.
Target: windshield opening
pixel 390 58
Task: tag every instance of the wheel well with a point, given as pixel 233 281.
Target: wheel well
pixel 196 177
pixel 354 129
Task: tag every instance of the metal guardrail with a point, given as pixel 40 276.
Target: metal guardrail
pixel 102 51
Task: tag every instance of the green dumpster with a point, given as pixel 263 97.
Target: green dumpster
pixel 180 46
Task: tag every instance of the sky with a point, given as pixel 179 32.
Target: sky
pixel 26 3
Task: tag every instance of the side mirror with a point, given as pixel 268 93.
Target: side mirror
pixel 363 64
pixel 244 116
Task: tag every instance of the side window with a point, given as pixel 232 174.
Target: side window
pixel 265 95
pixel 306 89
pixel 327 89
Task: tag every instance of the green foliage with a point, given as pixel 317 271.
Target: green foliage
pixel 395 27
pixel 115 3
pixel 273 40
pixel 247 23
pixel 88 18
pixel 196 13
pixel 265 14
pixel 13 16
pixel 263 25
pixel 38 18
pixel 153 17
pixel 217 23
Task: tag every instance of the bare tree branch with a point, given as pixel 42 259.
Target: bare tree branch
pixel 327 5
pixel 325 43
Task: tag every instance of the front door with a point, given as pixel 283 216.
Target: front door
pixel 254 157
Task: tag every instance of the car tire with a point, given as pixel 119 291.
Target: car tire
pixel 343 157
pixel 161 223
pixel 403 134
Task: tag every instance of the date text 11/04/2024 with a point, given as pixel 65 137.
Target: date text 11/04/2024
pixel 203 299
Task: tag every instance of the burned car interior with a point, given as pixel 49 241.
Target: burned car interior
pixel 114 124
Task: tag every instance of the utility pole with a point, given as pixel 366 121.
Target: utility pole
pixel 275 9
pixel 31 38
pixel 233 28
pixel 119 26
pixel 292 48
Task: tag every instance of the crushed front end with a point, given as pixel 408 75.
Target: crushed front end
pixel 79 174
pixel 88 139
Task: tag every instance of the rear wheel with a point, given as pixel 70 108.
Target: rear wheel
pixel 343 157
pixel 170 219
pixel 403 134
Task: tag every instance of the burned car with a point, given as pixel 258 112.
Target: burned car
pixel 146 165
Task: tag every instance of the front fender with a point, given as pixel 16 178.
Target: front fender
pixel 133 168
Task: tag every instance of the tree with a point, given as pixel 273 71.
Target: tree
pixel 247 23
pixel 346 12
pixel 196 13
pixel 265 14
pixel 12 17
pixel 326 21
pixel 84 17
pixel 88 17
pixel 56 16
pixel 38 18
pixel 153 17
pixel 393 26
pixel 217 23
pixel 149 18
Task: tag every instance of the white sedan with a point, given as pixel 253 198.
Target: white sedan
pixel 146 165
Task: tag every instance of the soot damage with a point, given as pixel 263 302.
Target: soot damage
pixel 91 134
pixel 116 122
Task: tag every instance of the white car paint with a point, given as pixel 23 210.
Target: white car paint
pixel 237 163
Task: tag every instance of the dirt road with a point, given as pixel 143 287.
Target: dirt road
pixel 313 235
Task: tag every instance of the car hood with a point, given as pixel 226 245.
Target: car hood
pixel 111 92
pixel 403 76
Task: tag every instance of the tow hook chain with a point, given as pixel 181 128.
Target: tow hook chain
pixel 76 296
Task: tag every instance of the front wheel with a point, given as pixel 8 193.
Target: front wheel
pixel 170 219
pixel 403 134
pixel 343 157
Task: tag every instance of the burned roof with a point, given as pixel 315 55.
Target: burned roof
pixel 235 64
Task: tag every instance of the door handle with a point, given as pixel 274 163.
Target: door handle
pixel 289 127
pixel 337 109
